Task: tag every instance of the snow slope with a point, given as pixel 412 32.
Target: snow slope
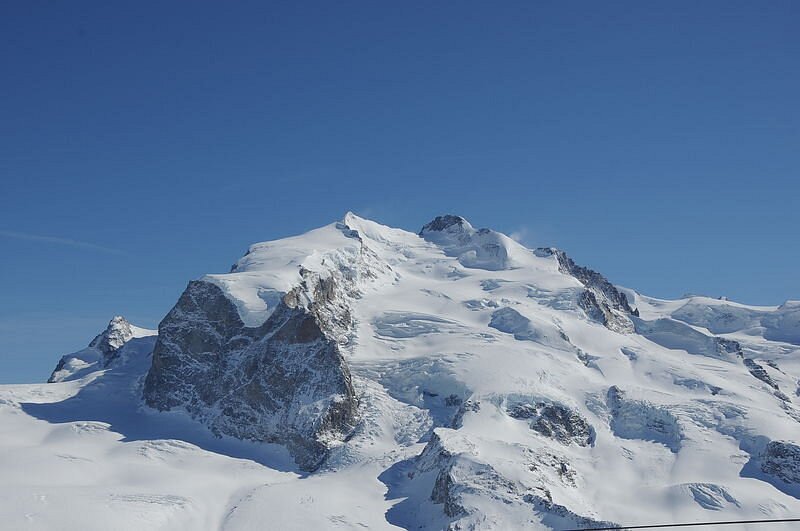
pixel 498 388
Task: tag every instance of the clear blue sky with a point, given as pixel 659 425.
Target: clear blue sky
pixel 143 144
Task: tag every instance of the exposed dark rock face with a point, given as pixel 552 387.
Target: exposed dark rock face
pixel 601 301
pixel 615 298
pixel 467 407
pixel 728 346
pixel 781 459
pixel 284 382
pixel 109 342
pixel 480 249
pixel 454 471
pixel 59 367
pixel 555 421
pixel 563 425
pixel 760 372
pixel 588 303
pixel 461 478
pixel 441 223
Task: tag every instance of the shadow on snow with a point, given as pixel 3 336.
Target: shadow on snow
pixel 114 398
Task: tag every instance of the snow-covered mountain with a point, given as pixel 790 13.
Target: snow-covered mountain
pixel 360 376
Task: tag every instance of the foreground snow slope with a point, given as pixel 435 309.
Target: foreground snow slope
pixel 480 385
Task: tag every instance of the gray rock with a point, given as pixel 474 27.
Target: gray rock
pixel 781 459
pixel 601 301
pixel 467 407
pixel 728 346
pixel 117 333
pixel 461 478
pixel 99 354
pixel 564 425
pixel 283 382
pixel 556 421
pixel 481 248
pixel 760 372
pixel 441 223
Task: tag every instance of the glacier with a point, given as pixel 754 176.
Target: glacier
pixel 362 376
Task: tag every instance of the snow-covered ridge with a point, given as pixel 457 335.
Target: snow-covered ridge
pixel 482 248
pixel 445 379
pixel 722 316
pixel 269 270
pixel 104 349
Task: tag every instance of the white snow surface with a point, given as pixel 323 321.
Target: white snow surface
pixel 463 338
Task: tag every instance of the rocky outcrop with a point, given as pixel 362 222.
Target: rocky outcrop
pixel 283 382
pixel 101 353
pixel 758 371
pixel 601 301
pixel 257 353
pixel 467 407
pixel 728 346
pixel 781 459
pixel 556 421
pixel 109 342
pixel 448 222
pixel 479 249
pixel 461 480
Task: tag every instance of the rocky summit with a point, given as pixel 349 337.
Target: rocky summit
pixel 359 376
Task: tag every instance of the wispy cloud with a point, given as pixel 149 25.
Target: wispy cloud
pixel 521 235
pixel 58 241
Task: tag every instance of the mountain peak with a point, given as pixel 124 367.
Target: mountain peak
pixel 349 347
pixel 447 222
pixel 481 248
pixel 352 217
pixel 101 351
pixel 116 334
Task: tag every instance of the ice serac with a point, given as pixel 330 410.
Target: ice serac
pixel 283 381
pixel 600 300
pixel 102 351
